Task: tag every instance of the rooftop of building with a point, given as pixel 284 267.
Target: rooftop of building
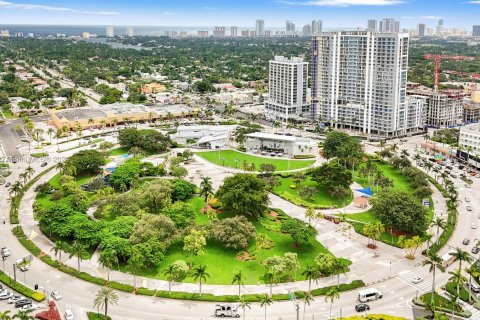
pixel 288 60
pixel 278 137
pixel 475 127
pixel 207 127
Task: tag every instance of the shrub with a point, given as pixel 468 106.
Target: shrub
pixel 145 292
pixel 292 186
pixel 120 286
pixel 30 246
pixel 20 288
pixel 233 233
pixel 97 316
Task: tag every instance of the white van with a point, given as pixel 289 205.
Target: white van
pixel 369 295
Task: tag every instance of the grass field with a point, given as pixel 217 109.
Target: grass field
pixel 227 158
pixel 118 151
pixel 54 182
pixel 321 198
pixel 400 182
pixel 222 263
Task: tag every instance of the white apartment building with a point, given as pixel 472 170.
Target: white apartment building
pixel 359 80
pixel 234 31
pixel 219 32
pixel 260 28
pixel 316 26
pixel 469 140
pixel 110 32
pixel 129 31
pixel 287 86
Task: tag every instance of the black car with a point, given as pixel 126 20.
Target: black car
pixel 475 250
pixel 362 307
pixel 44 164
pixel 21 303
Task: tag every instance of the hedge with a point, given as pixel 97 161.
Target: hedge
pixel 120 286
pixel 20 288
pixel 97 316
pixel 463 313
pixel 145 292
pixel 451 222
pixel 297 201
pixel 254 297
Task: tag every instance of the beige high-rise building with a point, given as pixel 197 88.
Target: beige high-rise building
pixel 219 32
pixel 110 32
pixel 234 31
pixel 129 31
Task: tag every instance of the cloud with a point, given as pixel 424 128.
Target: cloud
pixel 29 6
pixel 210 8
pixel 343 3
pixel 474 2
pixel 169 13
pixel 103 13
pixel 430 17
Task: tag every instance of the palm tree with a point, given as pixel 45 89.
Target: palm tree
pixel 200 273
pixel 428 237
pixel 440 224
pixel 5 315
pixel 170 272
pixel 265 301
pixel 29 171
pixel 107 260
pixel 15 188
pixel 307 299
pixel 58 247
pixel 78 250
pixel 206 189
pixel 428 166
pixel 238 278
pixel 458 278
pixel 404 153
pixel 461 255
pixel 24 177
pixel 331 295
pixel 23 315
pixel 244 304
pixel 106 296
pixel 310 273
pixel 310 214
pixel 434 262
pixel 472 273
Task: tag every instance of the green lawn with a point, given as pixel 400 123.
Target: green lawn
pixel 227 158
pixel 440 301
pixel 118 151
pixel 222 263
pixel 54 182
pixel 400 182
pixel 321 199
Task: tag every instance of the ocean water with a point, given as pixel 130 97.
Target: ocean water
pixel 45 30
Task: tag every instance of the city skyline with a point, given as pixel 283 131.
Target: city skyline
pixel 334 13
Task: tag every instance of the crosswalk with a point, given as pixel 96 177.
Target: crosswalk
pixel 475 312
pixel 407 276
pixel 5 227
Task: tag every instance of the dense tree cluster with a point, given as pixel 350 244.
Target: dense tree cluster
pixel 244 194
pixel 86 162
pixel 233 233
pixel 147 139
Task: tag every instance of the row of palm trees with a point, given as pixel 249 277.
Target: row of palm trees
pixel 77 249
pixel 17 187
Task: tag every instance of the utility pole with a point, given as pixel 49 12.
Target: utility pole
pixel 14 273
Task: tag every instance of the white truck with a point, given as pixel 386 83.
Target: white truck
pixel 226 310
pixel 369 295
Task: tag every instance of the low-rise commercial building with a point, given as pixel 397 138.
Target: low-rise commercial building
pixel 110 115
pixel 283 145
pixel 205 136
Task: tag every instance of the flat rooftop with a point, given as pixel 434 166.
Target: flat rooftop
pixel 76 114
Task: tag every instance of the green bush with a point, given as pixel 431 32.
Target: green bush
pixel 20 288
pixel 97 316
pixel 145 292
pixel 48 260
pixel 39 155
pixel 292 186
pixel 120 286
pixel 30 246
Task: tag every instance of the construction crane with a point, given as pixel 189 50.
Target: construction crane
pixel 437 58
pixel 473 76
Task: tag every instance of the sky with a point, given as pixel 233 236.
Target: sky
pixel 242 13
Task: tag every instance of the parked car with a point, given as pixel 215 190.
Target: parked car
pixel 466 241
pixel 44 164
pixel 15 298
pixel 469 208
pixel 29 307
pixel 475 250
pixel 56 295
pixel 474 226
pixel 467 200
pixel 8 184
pixel 68 315
pixel 5 252
pixel 22 303
pixel 453 176
pixel 5 295
pixel 417 279
pixel 362 307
